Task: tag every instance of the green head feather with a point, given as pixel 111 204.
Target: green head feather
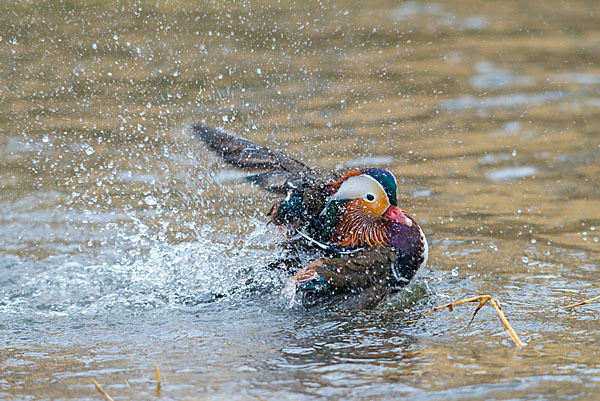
pixel 387 181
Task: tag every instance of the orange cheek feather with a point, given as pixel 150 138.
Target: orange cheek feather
pixel 374 209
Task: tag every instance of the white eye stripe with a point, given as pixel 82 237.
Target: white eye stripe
pixel 358 186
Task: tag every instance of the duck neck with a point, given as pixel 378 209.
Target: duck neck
pixel 357 228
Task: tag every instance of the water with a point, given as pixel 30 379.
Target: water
pixel 123 242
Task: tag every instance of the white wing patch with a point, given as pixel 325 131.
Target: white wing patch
pixel 425 249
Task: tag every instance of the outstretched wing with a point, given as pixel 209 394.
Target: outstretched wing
pixel 245 154
pixel 278 169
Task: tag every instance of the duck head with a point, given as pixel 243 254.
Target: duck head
pixel 362 206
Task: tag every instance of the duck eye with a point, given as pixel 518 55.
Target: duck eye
pixel 370 197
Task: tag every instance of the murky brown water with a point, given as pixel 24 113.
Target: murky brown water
pixel 123 242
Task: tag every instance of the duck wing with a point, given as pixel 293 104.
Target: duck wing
pixel 353 281
pixel 277 172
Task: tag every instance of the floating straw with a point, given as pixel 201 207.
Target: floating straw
pixel 483 299
pixel 101 390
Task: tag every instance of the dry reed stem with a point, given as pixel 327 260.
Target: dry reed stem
pixel 483 299
pixel 158 380
pixel 157 373
pixel 579 303
pixel 101 390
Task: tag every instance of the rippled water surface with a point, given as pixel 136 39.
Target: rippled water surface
pixel 123 242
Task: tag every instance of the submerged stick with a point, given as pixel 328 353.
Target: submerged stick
pixel 101 390
pixel 579 303
pixel 483 299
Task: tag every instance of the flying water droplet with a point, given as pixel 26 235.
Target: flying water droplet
pixel 89 150
pixel 150 200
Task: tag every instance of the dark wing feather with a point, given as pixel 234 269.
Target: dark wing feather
pixel 276 181
pixel 277 172
pixel 360 281
pixel 245 154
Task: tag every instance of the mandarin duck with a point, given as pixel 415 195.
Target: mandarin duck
pixel 351 242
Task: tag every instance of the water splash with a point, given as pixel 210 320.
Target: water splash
pixel 167 276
